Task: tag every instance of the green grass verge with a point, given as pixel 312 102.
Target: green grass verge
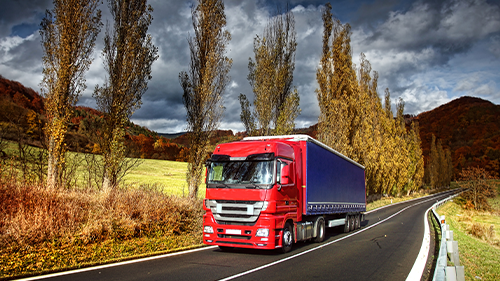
pixel 481 259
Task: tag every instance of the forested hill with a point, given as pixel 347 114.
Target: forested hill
pixel 22 119
pixel 469 127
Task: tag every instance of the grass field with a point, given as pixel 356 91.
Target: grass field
pixel 478 236
pixel 169 175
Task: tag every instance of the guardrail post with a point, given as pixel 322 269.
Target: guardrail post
pixel 451 274
pixel 460 273
pixel 449 235
pixel 442 271
pixel 452 248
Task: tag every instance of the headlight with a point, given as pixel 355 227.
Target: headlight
pixel 262 232
pixel 208 229
pixel 264 206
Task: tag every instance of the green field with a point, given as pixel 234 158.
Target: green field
pixel 478 236
pixel 169 175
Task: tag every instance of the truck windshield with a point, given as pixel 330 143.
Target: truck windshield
pixel 241 172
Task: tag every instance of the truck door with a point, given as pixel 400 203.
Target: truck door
pixel 287 191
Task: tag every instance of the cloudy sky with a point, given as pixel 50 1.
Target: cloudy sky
pixel 427 52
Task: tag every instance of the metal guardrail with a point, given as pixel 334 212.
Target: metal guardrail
pixel 447 246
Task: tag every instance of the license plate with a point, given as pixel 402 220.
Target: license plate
pixel 233 231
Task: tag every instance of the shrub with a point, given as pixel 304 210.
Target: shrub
pixel 31 214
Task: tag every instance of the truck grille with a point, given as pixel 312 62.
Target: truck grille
pixel 226 211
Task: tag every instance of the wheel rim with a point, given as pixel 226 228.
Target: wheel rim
pixel 287 238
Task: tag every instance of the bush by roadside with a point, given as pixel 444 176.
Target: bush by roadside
pixel 44 230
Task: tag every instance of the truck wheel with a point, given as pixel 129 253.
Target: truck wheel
pixel 357 221
pixel 351 222
pixel 320 230
pixel 287 238
pixel 347 225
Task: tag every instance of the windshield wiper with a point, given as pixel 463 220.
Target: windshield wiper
pixel 223 185
pixel 254 186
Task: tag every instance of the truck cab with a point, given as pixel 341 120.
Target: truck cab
pixel 251 193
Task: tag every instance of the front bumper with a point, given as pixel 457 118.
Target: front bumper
pixel 242 236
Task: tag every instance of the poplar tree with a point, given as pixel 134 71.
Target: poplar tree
pixel 128 56
pixel 416 169
pixel 276 102
pixel 247 118
pixel 68 35
pixel 337 91
pixel 204 83
pixel 440 166
pixel 433 164
pixel 353 121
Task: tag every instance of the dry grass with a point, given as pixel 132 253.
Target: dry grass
pixel 32 214
pixel 477 240
pixel 481 225
pixel 40 222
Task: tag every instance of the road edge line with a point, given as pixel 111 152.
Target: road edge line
pixel 419 266
pixel 114 264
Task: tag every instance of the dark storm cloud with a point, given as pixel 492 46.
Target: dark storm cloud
pixel 449 27
pixel 22 15
pixel 425 51
pixel 411 43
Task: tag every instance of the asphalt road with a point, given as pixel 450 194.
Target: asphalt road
pixel 385 248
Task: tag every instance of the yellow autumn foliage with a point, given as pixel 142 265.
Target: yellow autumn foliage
pixel 353 121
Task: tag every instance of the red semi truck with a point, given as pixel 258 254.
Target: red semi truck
pixel 271 192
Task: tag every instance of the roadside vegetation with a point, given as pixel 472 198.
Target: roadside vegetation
pixel 477 233
pixel 43 230
pixel 474 217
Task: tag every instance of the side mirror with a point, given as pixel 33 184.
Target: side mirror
pixel 285 175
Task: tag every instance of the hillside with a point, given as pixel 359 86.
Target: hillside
pixel 469 127
pixel 22 119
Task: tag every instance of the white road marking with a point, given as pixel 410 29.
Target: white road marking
pixel 115 264
pixel 419 265
pixel 320 246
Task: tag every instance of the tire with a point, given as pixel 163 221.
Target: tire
pixel 320 230
pixel 347 225
pixel 287 238
pixel 357 221
pixel 351 222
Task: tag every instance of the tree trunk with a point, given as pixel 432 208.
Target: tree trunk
pixel 53 166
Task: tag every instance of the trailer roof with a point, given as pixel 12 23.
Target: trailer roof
pixel 304 138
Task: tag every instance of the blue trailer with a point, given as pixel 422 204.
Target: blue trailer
pixel 334 183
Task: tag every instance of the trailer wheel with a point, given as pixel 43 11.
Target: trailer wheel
pixel 357 221
pixel 351 222
pixel 287 238
pixel 347 225
pixel 320 230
